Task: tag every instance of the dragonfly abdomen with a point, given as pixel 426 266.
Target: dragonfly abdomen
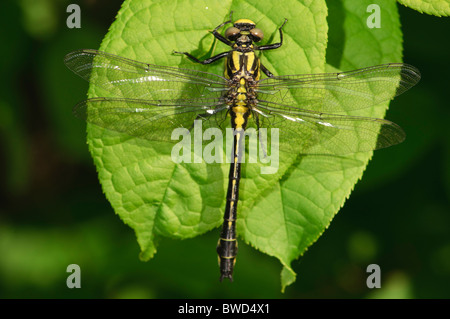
pixel 227 246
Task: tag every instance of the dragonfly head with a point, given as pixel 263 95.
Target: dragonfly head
pixel 244 31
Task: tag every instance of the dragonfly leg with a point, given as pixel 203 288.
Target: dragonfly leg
pixel 219 36
pixel 266 71
pixel 274 45
pixel 206 61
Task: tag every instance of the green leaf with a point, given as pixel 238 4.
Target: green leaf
pixel 440 8
pixel 281 214
pixel 351 45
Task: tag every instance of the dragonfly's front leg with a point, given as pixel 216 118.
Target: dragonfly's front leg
pixel 219 37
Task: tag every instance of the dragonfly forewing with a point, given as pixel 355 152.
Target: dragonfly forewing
pixel 125 78
pixel 340 92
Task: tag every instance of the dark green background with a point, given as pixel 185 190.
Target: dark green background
pixel 53 212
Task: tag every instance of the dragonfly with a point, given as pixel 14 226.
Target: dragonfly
pixel 310 110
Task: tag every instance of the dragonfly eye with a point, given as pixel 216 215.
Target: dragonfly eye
pixel 257 34
pixel 232 33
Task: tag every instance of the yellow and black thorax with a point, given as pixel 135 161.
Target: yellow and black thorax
pixel 242 68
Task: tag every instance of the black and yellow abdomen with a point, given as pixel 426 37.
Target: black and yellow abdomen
pixel 243 69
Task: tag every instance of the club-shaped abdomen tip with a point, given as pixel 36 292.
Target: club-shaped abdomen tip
pixel 227 275
pixel 227 251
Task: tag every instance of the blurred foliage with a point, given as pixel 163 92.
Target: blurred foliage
pixel 53 212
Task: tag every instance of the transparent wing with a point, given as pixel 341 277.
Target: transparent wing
pixel 132 79
pixel 340 92
pixel 152 120
pixel 309 132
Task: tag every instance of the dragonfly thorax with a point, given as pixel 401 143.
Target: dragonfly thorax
pixel 242 64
